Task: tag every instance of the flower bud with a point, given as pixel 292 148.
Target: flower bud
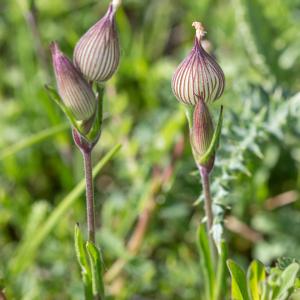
pixel 202 130
pixel 198 75
pixel 75 92
pixel 97 53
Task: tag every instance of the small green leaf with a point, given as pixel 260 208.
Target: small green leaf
pixel 52 93
pixel 80 250
pixel 288 278
pixel 273 284
pixel 206 262
pixel 255 275
pixel 222 272
pixel 83 262
pixel 238 281
pixel 96 269
pixel 90 129
pixel 95 131
pixel 205 158
pixel 189 116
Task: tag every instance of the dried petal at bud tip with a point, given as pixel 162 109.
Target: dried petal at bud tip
pixel 200 32
pixel 202 130
pixel 198 75
pixel 115 4
pixel 76 94
pixel 97 53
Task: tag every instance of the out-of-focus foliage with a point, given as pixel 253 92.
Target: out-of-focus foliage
pixel 257 170
pixel 280 284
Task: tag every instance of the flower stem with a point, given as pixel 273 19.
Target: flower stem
pixel 87 156
pixel 86 148
pixel 208 208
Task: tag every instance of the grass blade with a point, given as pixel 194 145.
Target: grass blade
pixel 32 140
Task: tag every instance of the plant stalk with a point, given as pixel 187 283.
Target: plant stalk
pixel 90 206
pixel 204 173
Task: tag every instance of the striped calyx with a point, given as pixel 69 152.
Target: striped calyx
pixel 202 130
pixel 75 92
pixel 198 75
pixel 97 52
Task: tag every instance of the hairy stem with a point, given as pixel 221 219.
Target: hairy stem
pixel 89 194
pixel 208 207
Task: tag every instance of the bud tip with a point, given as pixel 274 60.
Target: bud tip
pixel 115 4
pixel 200 32
pixel 57 56
pixel 54 47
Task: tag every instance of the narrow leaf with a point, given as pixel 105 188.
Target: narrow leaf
pixel 256 274
pixel 189 116
pixel 83 262
pixel 80 250
pixel 214 142
pixel 95 130
pixel 96 270
pixel 206 262
pixel 221 281
pixel 238 281
pixel 52 93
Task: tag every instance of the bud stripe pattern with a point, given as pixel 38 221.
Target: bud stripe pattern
pixel 109 60
pixel 76 94
pixel 207 79
pixel 219 75
pixel 101 71
pixel 181 83
pixel 202 131
pixel 88 52
pixel 97 52
pixel 198 75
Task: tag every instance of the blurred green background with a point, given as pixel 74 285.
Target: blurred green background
pixel 146 195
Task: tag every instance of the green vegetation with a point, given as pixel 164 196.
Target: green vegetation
pixel 148 208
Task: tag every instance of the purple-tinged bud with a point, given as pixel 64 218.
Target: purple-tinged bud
pixel 97 53
pixel 75 92
pixel 202 131
pixel 198 75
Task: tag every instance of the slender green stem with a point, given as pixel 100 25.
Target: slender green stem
pixel 208 208
pixel 207 195
pixel 87 155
